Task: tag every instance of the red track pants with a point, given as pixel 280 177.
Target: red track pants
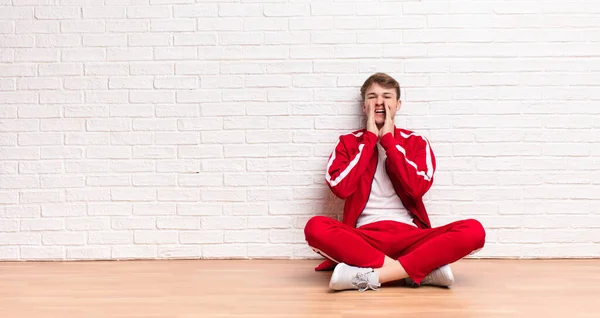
pixel 419 251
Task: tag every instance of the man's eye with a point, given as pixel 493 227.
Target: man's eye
pixel 371 97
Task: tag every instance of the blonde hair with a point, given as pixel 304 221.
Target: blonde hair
pixel 382 79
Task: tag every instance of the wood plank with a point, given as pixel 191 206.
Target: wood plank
pixel 290 288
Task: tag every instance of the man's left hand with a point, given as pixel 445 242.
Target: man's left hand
pixel 388 126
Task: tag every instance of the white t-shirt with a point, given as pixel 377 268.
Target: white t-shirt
pixel 383 204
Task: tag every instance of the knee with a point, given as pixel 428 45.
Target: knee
pixel 476 233
pixel 314 229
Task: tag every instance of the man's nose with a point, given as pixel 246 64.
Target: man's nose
pixel 379 101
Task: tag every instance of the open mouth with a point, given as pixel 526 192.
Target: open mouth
pixel 380 111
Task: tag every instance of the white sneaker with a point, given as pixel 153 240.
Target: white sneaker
pixel 349 277
pixel 441 276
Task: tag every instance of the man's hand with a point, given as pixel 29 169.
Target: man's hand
pixel 371 125
pixel 388 125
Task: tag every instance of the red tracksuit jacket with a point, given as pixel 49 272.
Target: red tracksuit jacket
pixel 410 164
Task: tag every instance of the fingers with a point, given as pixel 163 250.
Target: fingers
pixel 388 112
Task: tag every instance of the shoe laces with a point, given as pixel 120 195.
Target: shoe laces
pixel 361 281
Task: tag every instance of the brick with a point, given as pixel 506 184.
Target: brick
pixel 178 252
pixel 86 166
pixel 200 180
pixel 152 152
pixel 85 195
pixel 149 40
pixel 86 26
pixel 268 137
pixel 56 13
pixel 38 27
pixel 232 151
pixel 41 167
pixel 176 82
pixel 290 150
pixel 16 13
pixel 154 124
pixel 178 195
pixel 219 24
pixel 132 166
pixel 127 26
pixel 270 222
pixel 155 237
pixel 201 237
pixel 240 10
pixel 332 9
pixel 246 179
pixel 64 209
pixel 19 98
pixel 223 223
pixel 292 208
pixel 278 38
pixel 154 180
pixel 112 124
pixel 200 209
pixel 154 209
pixel 225 195
pixel 104 41
pixel 83 138
pixel 63 238
pixel 110 237
pixel 183 166
pixel 113 69
pixel 296 179
pixel 87 224
pixel 179 25
pixel 42 253
pixel 222 81
pixel 108 180
pixel 129 54
pixel 180 223
pixel 223 165
pixel 22 211
pixel 9 225
pixel 133 223
pixel 103 13
pixel 152 97
pixel 175 53
pixel 130 138
pixel 88 253
pixel 134 111
pixel 195 39
pixel 246 236
pixel 246 209
pixel 156 12
pixel 286 236
pixel 61 97
pixel 136 195
pixel 38 83
pixel 133 252
pixel 219 53
pixel 45 224
pixel 196 11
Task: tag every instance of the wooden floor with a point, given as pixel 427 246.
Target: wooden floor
pixel 283 288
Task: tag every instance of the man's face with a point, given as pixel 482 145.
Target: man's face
pixel 378 97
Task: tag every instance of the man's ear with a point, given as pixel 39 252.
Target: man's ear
pixel 399 106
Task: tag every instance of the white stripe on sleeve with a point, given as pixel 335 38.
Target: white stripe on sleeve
pixel 349 168
pixel 427 175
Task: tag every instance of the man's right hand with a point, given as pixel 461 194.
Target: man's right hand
pixel 371 125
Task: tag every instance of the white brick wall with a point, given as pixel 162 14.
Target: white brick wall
pixel 201 128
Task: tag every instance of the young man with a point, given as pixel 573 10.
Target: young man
pixel 382 173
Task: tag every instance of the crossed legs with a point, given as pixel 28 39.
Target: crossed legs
pixel 395 250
